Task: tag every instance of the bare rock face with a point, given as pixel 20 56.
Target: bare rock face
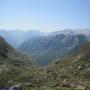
pixel 80 87
pixel 16 87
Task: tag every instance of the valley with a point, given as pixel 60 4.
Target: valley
pixel 46 62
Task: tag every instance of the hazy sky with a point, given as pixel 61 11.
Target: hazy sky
pixel 44 14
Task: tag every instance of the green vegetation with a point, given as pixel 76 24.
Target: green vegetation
pixel 45 88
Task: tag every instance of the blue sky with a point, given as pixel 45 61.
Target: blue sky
pixel 45 15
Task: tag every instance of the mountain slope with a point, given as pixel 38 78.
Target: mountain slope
pixel 73 71
pixel 12 64
pixel 45 49
pixel 9 53
pixel 70 73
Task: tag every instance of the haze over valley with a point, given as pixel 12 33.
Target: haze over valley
pixel 44 44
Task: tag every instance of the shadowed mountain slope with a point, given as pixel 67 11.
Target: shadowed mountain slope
pixel 12 64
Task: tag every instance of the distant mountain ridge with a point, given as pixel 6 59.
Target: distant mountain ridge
pixel 85 32
pixel 16 37
pixel 45 49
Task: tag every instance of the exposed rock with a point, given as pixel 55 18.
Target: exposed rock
pixel 16 87
pixel 29 85
pixel 81 87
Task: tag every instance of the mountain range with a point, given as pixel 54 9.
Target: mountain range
pixel 43 47
pixel 16 37
pixel 45 50
pixel 67 73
